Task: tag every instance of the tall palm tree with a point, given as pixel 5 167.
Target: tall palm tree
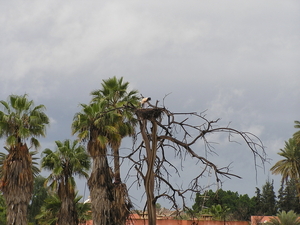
pixel 67 160
pixel 297 134
pixel 20 120
pixel 115 93
pixel 289 167
pixel 93 124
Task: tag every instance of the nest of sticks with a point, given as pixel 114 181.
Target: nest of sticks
pixel 149 113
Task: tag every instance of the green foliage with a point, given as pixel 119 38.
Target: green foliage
pixel 287 198
pixel 21 120
pixel 219 212
pixel 39 195
pixel 289 166
pixel 158 206
pixel 67 160
pixel 241 206
pixel 50 210
pixel 2 210
pixel 268 198
pixel 297 133
pixel 285 218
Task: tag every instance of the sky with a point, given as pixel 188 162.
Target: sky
pixel 239 60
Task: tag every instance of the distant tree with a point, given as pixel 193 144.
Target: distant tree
pixel 67 160
pixel 258 202
pixel 268 199
pixel 219 212
pixel 241 206
pixel 244 208
pixel 49 212
pixel 39 195
pixel 287 197
pixel 289 167
pixel 205 200
pixel 158 206
pixel 285 218
pixel 20 122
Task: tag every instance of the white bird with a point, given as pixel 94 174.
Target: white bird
pixel 144 100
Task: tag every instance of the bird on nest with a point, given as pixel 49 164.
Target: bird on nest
pixel 144 101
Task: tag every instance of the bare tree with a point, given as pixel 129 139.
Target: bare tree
pixel 163 132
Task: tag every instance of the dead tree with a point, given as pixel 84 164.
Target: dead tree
pixel 162 132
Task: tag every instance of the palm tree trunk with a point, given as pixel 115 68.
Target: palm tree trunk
pixel 121 203
pixel 117 174
pixel 67 213
pixel 17 184
pixel 101 187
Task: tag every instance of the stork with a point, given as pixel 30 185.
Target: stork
pixel 145 100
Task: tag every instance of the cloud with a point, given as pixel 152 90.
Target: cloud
pixel 238 60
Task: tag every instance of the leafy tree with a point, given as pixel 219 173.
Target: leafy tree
pixel 289 167
pixel 219 212
pixel 20 121
pixel 39 195
pixel 257 202
pixel 49 212
pixel 285 218
pixel 268 199
pixel 244 208
pixel 205 200
pixel 241 206
pixel 67 160
pixel 287 198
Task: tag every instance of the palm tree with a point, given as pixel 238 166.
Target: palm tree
pixel 297 134
pixel 51 208
pixel 115 93
pixel 289 167
pixel 49 212
pixel 93 124
pixel 67 160
pixel 20 120
pixel 286 218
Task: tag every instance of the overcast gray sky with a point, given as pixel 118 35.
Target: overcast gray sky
pixel 237 59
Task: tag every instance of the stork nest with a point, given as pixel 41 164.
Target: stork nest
pixel 149 113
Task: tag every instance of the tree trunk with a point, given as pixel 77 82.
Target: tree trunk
pixel 101 192
pixel 117 174
pixel 121 203
pixel 149 179
pixel 17 184
pixel 67 213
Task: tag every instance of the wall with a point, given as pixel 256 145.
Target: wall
pixel 182 222
pixel 187 222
